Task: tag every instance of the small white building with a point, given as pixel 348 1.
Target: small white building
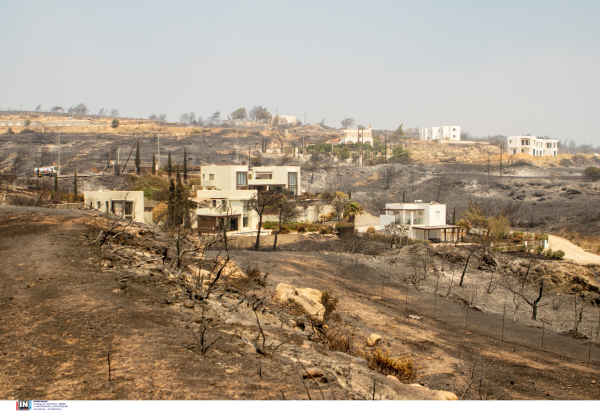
pixel 427 221
pixel 234 177
pixel 287 120
pixel 440 133
pixel 353 136
pixel 125 204
pixel 216 209
pixel 531 145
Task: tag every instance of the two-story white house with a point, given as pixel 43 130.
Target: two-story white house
pixel 216 209
pixel 440 133
pixel 427 221
pixel 235 177
pixel 353 136
pixel 532 145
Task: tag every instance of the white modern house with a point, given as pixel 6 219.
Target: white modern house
pixel 291 120
pixel 440 133
pixel 235 177
pixel 353 136
pixel 218 209
pixel 126 204
pixel 427 221
pixel 532 145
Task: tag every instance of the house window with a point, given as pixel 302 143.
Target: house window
pixel 214 203
pixel 98 205
pixel 211 177
pixel 453 129
pixel 293 183
pixel 245 221
pixel 437 214
pixel 241 180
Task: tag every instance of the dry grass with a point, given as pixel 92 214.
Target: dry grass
pixel 381 361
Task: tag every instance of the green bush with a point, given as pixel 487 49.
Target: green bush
pixel 543 237
pixel 558 254
pixel 284 230
pixel 301 229
pixel 114 123
pixel 150 184
pixel 26 131
pixel 312 229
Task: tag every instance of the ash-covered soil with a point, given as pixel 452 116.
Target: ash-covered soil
pixel 68 308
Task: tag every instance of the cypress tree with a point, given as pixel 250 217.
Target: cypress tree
pixel 185 164
pixel 75 183
pixel 404 197
pixel 153 163
pixel 454 217
pixel 138 160
pixel 169 165
pixel 55 183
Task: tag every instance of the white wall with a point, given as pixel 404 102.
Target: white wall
pixel 91 199
pixel 531 145
pixel 440 133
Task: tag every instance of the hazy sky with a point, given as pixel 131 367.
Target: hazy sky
pixel 492 67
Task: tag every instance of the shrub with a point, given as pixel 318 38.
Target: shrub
pixel 114 123
pixel 384 363
pixel 159 213
pixel 543 237
pixel 312 229
pixel 26 131
pixel 150 184
pixel 301 229
pixel 326 230
pixel 591 173
pixel 330 303
pixel 10 131
pixel 371 230
pixel 558 254
pixel 284 230
pixel 565 162
pixel 344 228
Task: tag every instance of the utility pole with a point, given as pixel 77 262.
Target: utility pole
pixel 385 149
pixel 248 151
pixel 58 154
pixel 501 150
pixel 237 156
pixel 488 164
pixel 158 135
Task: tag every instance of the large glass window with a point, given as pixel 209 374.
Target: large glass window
pixel 293 183
pixel 241 180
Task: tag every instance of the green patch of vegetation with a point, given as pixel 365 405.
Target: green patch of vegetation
pixel 591 173
pixel 150 184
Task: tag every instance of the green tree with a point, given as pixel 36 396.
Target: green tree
pixel 401 155
pixel 260 203
pixel 352 210
pixel 55 183
pixel 239 114
pixel 138 159
pixel 75 183
pixel 399 132
pixel 185 175
pixel 114 123
pixel 169 165
pixel 178 210
pixel 257 161
pixel 287 209
pixel 153 163
pixel 27 122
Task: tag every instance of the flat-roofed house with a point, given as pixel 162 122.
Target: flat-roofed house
pixel 229 209
pixel 125 204
pixel 427 221
pixel 235 177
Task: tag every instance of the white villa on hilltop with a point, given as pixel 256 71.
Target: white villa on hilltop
pixel 441 133
pixel 534 146
pixel 427 221
pixel 353 136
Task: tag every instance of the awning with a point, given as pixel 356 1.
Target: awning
pixel 438 227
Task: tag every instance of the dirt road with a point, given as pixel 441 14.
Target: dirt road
pixel 573 252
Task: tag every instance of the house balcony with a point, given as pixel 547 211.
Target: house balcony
pixel 208 183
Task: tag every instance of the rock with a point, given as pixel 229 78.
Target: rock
pixel 373 340
pixel 445 396
pixel 189 304
pixel 312 373
pixel 414 317
pixel 393 377
pixel 308 299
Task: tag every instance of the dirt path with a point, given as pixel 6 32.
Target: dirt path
pixel 573 252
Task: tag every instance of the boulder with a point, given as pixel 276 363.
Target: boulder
pixel 312 373
pixel 373 340
pixel 445 396
pixel 308 299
